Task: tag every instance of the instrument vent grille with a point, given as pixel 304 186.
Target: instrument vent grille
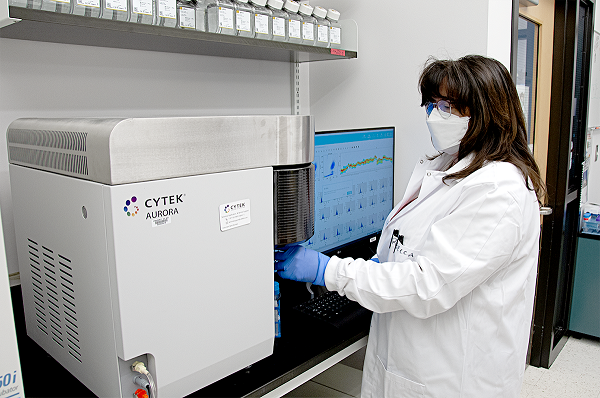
pixel 54 297
pixel 49 160
pixel 67 140
pixel 63 151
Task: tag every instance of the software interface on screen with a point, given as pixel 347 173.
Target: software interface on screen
pixel 354 176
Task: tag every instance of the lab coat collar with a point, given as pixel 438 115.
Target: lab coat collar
pixel 427 186
pixel 430 165
pixel 460 165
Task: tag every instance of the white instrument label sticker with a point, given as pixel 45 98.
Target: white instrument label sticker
pixel 158 222
pixel 234 214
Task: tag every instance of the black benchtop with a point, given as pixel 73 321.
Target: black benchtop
pixel 304 344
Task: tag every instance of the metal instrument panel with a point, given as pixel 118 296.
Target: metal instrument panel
pixel 119 151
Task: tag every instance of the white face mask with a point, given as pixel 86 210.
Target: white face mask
pixel 447 133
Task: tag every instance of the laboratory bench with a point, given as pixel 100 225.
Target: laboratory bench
pixel 306 348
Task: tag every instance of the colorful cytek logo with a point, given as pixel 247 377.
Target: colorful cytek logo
pixel 227 209
pixel 130 208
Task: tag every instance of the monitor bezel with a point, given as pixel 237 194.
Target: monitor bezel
pixel 365 247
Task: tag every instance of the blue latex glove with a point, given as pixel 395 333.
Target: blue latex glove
pixel 301 264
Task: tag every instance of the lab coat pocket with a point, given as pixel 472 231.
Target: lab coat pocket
pixel 399 252
pixel 393 385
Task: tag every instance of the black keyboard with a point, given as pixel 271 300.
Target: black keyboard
pixel 334 310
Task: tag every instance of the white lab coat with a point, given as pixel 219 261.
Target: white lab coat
pixel 453 295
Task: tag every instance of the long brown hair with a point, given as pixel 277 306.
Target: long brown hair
pixel 496 130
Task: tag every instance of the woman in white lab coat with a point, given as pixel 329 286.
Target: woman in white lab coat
pixel 453 283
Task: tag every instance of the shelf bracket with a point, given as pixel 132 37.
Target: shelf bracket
pixel 295 87
pixel 299 88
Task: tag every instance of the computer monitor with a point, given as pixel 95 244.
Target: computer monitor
pixel 354 185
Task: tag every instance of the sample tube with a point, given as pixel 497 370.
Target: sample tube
pixel 277 310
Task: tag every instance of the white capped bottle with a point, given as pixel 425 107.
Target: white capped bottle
pixel 142 11
pixel 34 4
pixel 201 15
pixel 87 8
pixel 263 24
pixel 279 20
pixel 166 13
pixel 117 10
pixel 308 24
pixel 186 14
pixel 244 18
pixel 220 17
pixel 294 22
pixel 335 29
pixel 59 6
pixel 322 30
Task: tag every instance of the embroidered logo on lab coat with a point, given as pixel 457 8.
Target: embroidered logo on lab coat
pixel 397 247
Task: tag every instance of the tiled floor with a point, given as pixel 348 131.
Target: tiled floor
pixel 339 381
pixel 574 374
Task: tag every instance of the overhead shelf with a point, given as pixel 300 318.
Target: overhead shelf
pixel 53 27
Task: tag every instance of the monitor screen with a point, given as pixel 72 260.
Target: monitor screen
pixel 354 185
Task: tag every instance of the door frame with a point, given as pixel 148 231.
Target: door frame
pixel 548 340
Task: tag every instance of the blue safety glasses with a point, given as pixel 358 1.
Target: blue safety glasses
pixel 444 107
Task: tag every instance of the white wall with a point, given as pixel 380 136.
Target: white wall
pixel 380 87
pixel 499 31
pixel 59 80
